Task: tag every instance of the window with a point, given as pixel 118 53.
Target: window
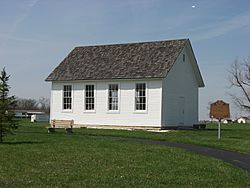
pixel 183 57
pixel 140 96
pixel 113 97
pixel 67 97
pixel 90 97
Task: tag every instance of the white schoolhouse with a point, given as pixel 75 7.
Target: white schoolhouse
pixel 146 84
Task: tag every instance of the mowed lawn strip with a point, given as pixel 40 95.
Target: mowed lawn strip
pixel 234 137
pixel 33 158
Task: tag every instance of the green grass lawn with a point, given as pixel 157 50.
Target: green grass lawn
pixel 235 137
pixel 33 158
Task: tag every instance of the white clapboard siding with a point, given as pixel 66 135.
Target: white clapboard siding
pixel 126 116
pixel 180 93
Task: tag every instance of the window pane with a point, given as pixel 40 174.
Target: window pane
pixel 110 100
pixel 140 93
pixel 140 96
pixel 143 93
pixel 116 106
pixel 144 100
pixel 67 97
pixel 89 97
pixel 113 97
pixel 137 86
pixel 92 100
pixel 137 107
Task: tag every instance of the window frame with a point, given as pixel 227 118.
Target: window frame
pixel 146 95
pixel 72 97
pixel 84 98
pixel 118 96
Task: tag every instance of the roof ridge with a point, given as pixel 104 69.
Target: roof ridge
pixel 130 43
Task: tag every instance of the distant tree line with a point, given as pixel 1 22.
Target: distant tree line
pixel 42 104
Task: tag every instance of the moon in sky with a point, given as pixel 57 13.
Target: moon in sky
pixel 193 6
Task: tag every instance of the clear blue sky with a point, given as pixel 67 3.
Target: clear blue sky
pixel 35 35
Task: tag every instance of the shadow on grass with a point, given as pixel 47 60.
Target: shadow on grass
pixel 22 142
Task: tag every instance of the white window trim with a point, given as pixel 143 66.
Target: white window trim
pixel 95 102
pixel 72 98
pixel 107 98
pixel 140 111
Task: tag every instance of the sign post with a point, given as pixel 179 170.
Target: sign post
pixel 219 129
pixel 219 110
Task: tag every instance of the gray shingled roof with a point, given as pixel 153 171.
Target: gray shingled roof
pixel 119 61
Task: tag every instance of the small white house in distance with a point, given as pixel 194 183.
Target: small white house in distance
pixel 226 121
pixel 39 118
pixel 243 119
pixel 147 84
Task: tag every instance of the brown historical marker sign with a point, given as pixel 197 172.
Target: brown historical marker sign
pixel 219 110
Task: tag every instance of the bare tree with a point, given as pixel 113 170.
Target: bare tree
pixel 33 104
pixel 239 77
pixel 44 104
pixel 26 104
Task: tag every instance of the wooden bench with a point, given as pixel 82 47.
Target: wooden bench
pixel 66 124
